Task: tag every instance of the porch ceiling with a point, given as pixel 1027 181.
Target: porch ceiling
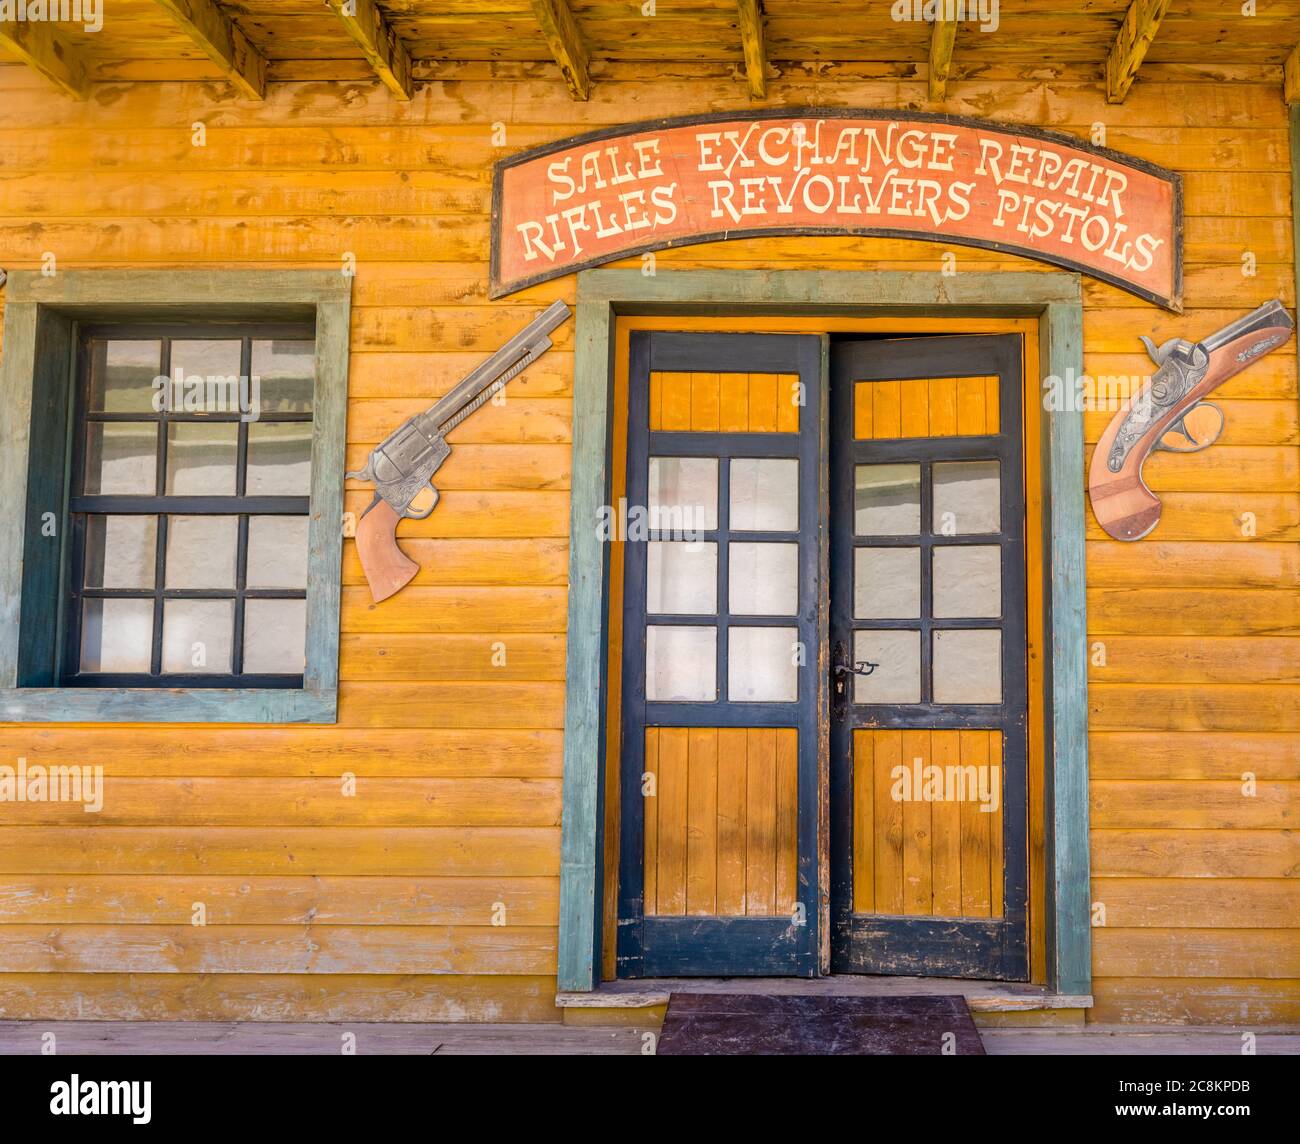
pixel 577 41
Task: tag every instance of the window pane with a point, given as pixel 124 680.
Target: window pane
pixel 279 459
pixel 966 498
pixel 968 581
pixel 201 458
pixel 762 665
pixel 277 552
pixel 122 375
pixel 763 579
pixel 897 677
pixel 683 493
pixel 201 551
pixel 285 373
pixel 681 663
pixel 205 378
pixel 968 666
pixel 121 551
pixel 197 635
pixel 275 636
pixel 764 494
pixel 887 583
pixel 682 578
pixel 121 457
pixel 116 635
pixel 887 500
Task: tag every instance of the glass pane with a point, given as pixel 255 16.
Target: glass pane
pixel 205 378
pixel 763 579
pixel 683 494
pixel 277 552
pixel 121 551
pixel 116 635
pixel 279 459
pixel 681 663
pixel 897 677
pixel 197 635
pixel 201 458
pixel 887 500
pixel 968 666
pixel 887 583
pixel 122 376
pixel 201 551
pixel 764 494
pixel 967 495
pixel 275 636
pixel 763 665
pixel 121 457
pixel 968 581
pixel 284 374
pixel 682 578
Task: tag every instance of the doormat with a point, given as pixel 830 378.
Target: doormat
pixel 747 1024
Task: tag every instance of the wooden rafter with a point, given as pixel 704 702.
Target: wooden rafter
pixel 223 43
pixel 384 49
pixel 751 40
pixel 36 44
pixel 942 38
pixel 1141 22
pixel 566 44
pixel 1291 77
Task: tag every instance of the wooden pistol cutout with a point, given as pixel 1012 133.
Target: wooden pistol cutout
pixel 401 467
pixel 1156 417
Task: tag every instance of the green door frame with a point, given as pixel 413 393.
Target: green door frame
pixel 1055 300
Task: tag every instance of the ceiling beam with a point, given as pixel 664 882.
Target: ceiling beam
pixel 566 44
pixel 1291 77
pixel 942 38
pixel 1138 29
pixel 383 47
pixel 37 45
pixel 222 42
pixel 751 40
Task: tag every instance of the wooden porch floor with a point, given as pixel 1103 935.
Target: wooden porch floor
pixel 265 1038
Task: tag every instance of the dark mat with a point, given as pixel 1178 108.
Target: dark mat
pixel 747 1024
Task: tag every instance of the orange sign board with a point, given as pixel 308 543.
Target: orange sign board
pixel 613 194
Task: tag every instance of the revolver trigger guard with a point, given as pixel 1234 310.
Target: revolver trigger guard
pixel 1179 426
pixel 411 514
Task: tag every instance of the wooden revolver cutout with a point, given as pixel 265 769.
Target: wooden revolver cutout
pixel 1170 413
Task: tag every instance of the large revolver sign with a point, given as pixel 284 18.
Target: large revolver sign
pixel 1052 197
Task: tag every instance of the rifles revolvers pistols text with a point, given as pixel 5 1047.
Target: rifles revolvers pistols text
pixel 401 467
pixel 1187 373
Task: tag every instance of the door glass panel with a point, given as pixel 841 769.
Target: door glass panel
pixel 968 581
pixel 121 458
pixel 286 374
pixel 277 551
pixel 764 494
pixel 205 377
pixel 683 494
pixel 887 500
pixel 122 376
pixel 275 636
pixel 682 578
pixel 201 458
pixel 279 459
pixel 120 551
pixel 681 663
pixel 201 551
pixel 197 635
pixel 897 677
pixel 967 498
pixel 968 666
pixel 887 583
pixel 763 579
pixel 762 665
pixel 116 635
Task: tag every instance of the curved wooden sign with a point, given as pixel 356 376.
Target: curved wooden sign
pixel 612 194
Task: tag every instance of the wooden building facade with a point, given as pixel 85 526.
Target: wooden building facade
pixel 486 790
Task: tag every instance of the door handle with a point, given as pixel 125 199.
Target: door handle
pixel 841 670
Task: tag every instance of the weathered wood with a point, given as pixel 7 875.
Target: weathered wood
pixel 942 37
pixel 567 45
pixel 383 47
pixel 750 13
pixel 222 42
pixel 1139 28
pixel 1291 79
pixel 40 47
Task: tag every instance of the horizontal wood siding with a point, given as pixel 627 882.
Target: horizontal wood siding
pixel 383 904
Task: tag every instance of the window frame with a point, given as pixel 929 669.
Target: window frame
pixel 42 320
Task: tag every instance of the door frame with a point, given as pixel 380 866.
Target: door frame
pixel 1054 301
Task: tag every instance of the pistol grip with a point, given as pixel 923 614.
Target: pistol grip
pixel 387 570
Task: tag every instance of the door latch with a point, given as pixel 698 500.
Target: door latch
pixel 862 667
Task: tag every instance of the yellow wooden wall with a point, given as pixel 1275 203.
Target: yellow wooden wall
pixel 380 906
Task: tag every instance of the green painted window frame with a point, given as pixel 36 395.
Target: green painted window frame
pixel 1055 300
pixel 41 315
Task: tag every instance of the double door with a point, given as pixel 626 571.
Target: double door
pixel 823 740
